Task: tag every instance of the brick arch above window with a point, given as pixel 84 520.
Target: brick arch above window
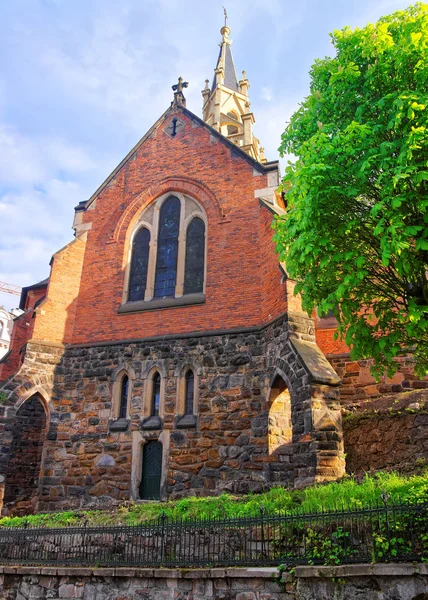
pixel 170 185
pixel 176 226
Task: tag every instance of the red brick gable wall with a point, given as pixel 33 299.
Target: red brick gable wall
pixel 242 268
pixel 22 331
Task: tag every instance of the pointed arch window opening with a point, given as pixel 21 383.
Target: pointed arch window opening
pixel 167 260
pixel 156 393
pixel 124 389
pixel 195 257
pixel 232 129
pixel 139 265
pixel 189 393
pixel 167 252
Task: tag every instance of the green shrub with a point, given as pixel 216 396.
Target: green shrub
pixel 347 493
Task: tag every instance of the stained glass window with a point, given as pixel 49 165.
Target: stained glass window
pixel 156 394
pixel 123 397
pixel 190 392
pixel 195 257
pixel 139 265
pixel 166 263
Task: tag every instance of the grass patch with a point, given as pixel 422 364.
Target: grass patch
pixel 347 493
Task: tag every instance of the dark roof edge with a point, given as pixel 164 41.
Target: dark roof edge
pixel 263 168
pixel 26 289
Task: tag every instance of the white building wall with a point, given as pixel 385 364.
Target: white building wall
pixel 6 325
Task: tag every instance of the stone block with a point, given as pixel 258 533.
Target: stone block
pixel 246 596
pixel 67 590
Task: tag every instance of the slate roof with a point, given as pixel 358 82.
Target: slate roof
pixel 230 79
pixel 235 150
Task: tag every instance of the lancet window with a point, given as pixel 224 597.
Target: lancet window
pixel 124 388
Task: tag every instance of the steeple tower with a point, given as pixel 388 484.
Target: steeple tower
pixel 226 105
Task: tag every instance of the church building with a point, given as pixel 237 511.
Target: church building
pixel 166 354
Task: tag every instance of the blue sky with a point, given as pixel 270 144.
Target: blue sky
pixel 81 81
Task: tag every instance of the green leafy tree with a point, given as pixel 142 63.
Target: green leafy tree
pixel 355 233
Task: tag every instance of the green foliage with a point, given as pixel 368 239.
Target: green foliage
pixel 356 228
pixel 347 493
pixel 3 398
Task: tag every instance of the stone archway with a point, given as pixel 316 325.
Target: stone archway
pixel 25 455
pixel 280 432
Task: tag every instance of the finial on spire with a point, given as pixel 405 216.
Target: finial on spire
pixel 225 30
pixel 178 92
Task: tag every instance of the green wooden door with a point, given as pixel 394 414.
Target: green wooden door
pixel 151 472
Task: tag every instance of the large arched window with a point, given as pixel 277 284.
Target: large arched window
pixel 124 387
pixel 189 393
pixel 139 265
pixel 195 257
pixel 166 262
pixel 168 259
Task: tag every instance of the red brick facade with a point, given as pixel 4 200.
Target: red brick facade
pixel 23 327
pixel 243 276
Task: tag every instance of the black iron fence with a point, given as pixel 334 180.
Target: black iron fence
pixel 377 534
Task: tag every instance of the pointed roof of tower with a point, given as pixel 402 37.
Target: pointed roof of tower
pixel 225 59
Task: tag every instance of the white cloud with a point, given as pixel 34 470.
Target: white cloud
pixel 36 212
pixel 26 160
pixel 266 94
pixel 272 119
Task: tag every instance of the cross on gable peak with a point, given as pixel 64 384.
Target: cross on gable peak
pixel 178 92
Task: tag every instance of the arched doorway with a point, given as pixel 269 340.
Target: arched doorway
pixel 151 471
pixel 280 432
pixel 22 473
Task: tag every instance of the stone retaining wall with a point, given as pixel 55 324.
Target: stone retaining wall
pixel 380 441
pixel 368 582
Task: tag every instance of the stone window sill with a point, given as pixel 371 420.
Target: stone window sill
pixel 119 425
pixel 186 422
pixel 159 303
pixel 152 423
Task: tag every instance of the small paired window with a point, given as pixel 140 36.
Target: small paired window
pixel 153 401
pixel 190 393
pixel 187 400
pixel 153 406
pixel 124 388
pixel 121 399
pixel 156 392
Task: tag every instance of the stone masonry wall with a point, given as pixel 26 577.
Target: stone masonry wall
pixel 26 452
pixel 380 441
pixel 88 462
pixel 353 582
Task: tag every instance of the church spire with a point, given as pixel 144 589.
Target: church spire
pixel 225 63
pixel 226 106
